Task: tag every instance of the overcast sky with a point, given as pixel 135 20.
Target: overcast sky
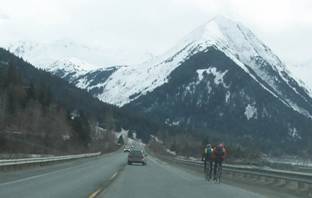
pixel 155 26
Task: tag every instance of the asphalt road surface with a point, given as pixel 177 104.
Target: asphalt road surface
pixel 73 179
pixel 158 179
pixel 86 177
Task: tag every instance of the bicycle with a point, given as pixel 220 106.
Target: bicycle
pixel 205 169
pixel 208 171
pixel 219 173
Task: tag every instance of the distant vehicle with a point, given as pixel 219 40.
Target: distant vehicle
pixel 136 156
pixel 126 149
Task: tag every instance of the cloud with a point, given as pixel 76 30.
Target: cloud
pixel 4 16
pixel 155 26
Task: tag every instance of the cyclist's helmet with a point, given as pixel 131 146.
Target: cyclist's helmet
pixel 208 145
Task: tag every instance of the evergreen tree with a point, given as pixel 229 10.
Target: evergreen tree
pixel 31 92
pixel 121 140
pixel 13 77
pixel 130 134
pixel 45 96
pixel 82 128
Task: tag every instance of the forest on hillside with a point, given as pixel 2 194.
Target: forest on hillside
pixel 32 121
pixel 41 113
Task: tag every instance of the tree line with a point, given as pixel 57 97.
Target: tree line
pixel 32 121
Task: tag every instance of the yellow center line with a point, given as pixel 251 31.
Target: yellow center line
pixel 96 193
pixel 113 176
pixel 93 195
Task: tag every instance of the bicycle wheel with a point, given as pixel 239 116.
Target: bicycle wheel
pixel 219 173
pixel 205 172
pixel 208 174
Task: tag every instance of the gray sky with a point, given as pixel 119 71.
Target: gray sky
pixel 155 26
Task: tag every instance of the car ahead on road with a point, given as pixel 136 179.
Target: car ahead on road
pixel 136 156
pixel 126 149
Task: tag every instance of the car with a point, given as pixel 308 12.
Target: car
pixel 136 156
pixel 126 149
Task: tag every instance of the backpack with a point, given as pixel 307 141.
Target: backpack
pixel 209 153
pixel 219 152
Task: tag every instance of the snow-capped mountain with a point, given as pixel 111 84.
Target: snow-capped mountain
pixel 303 72
pixel 46 55
pixel 233 39
pixel 220 77
pixel 69 58
pixel 68 68
pixel 93 81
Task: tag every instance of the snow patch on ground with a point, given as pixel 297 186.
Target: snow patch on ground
pixel 227 96
pixel 172 123
pixel 251 112
pixel 157 139
pixel 218 76
pixel 175 123
pixel 171 152
pixel 293 132
pixel 292 160
pixel 83 83
pixel 124 134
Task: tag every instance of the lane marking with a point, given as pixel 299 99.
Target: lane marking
pixel 113 176
pixel 47 173
pixel 93 195
pixel 104 186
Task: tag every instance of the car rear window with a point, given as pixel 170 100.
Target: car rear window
pixel 136 153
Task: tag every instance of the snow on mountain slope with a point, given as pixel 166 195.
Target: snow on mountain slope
pixel 303 73
pixel 63 54
pixel 46 55
pixel 232 38
pixel 79 64
pixel 93 81
pixel 70 68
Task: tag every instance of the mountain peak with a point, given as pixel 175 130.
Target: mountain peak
pixel 215 29
pixel 220 19
pixel 233 38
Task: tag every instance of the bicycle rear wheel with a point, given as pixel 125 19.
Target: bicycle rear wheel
pixel 219 173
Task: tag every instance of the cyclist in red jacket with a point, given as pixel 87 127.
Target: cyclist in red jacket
pixel 219 153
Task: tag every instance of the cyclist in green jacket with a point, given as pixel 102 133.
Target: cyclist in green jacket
pixel 208 159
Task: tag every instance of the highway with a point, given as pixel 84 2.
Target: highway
pixel 75 179
pixel 93 176
pixel 158 179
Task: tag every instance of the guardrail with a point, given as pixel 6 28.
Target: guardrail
pixel 42 160
pixel 294 182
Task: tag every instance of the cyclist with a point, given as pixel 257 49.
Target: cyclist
pixel 219 154
pixel 208 159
